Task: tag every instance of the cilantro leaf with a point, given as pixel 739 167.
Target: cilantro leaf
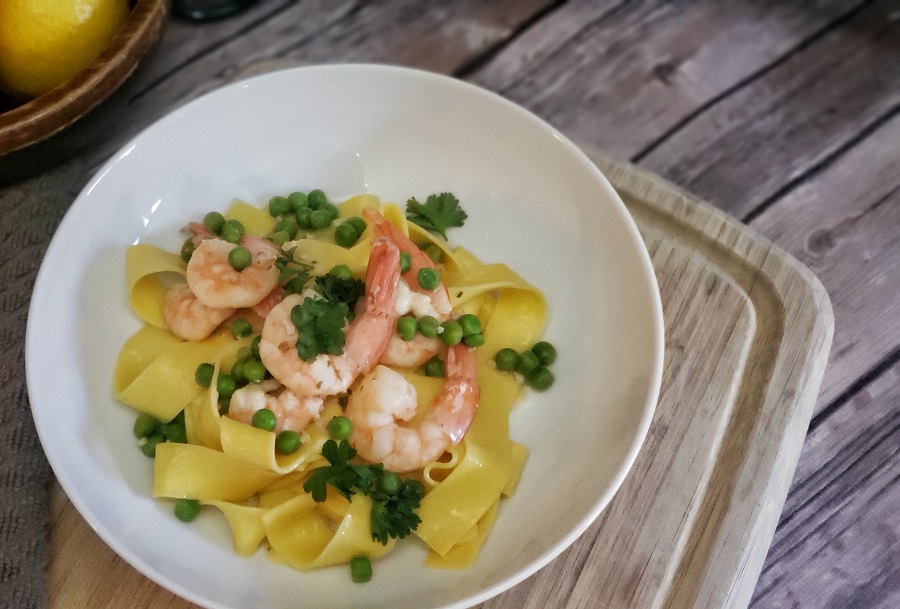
pixel 340 474
pixel 320 327
pixel 437 214
pixel 393 513
pixel 346 290
pixel 292 275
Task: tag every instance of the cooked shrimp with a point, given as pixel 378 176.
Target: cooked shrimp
pixel 413 298
pixel 291 411
pixel 365 338
pixel 217 284
pixel 383 407
pixel 265 306
pixel 187 317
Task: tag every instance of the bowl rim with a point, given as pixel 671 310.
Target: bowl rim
pixel 50 113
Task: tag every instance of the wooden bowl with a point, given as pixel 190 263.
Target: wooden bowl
pixel 37 120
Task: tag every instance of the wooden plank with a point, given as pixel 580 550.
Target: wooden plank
pixel 435 36
pixel 770 133
pixel 671 475
pixel 843 224
pixel 621 78
pixel 839 542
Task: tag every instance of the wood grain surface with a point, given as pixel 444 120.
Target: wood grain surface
pixel 782 114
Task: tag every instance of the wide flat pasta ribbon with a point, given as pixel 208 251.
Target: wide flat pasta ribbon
pixel 167 384
pixel 196 472
pixel 145 266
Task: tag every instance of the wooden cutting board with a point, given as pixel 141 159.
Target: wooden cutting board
pixel 747 336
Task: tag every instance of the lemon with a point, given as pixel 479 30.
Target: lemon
pixel 44 43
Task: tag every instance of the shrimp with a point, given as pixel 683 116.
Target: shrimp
pixel 365 338
pixel 187 317
pixel 217 284
pixel 291 411
pixel 383 407
pixel 413 298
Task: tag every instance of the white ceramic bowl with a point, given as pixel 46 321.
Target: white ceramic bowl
pixel 534 201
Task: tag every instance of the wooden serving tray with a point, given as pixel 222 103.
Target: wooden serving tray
pixel 747 336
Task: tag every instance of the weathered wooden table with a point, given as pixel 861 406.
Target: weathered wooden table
pixel 782 114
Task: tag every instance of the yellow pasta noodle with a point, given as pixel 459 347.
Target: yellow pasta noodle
pixel 238 468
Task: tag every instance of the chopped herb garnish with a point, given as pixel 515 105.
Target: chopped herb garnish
pixel 340 290
pixel 293 275
pixel 320 327
pixel 393 506
pixel 437 214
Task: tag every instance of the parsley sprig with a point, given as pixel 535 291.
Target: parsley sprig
pixel 292 275
pixel 394 504
pixel 437 214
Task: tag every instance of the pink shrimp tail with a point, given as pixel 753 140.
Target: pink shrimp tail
pixel 265 306
pixel 383 228
pixel 459 397
pixel 199 232
pixel 370 332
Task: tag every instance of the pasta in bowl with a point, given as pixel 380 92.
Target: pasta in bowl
pixel 273 349
pixel 535 204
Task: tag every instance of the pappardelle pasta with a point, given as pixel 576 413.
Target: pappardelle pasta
pixel 332 378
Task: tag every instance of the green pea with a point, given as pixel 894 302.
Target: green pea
pixel 186 510
pixel 434 368
pixel 541 378
pixel 342 271
pixel 528 362
pixel 279 206
pixel 287 442
pixel 470 324
pixel 149 447
pixel 320 219
pixel 345 235
pixel 145 426
pixel 265 419
pixel 187 249
pixel 244 353
pixel 545 352
pixel 281 237
pixel 390 482
pixel 358 223
pixel 474 340
pixel 304 218
pixel 451 333
pixel 428 326
pixel 214 221
pixel 204 374
pixel 239 258
pixel 288 225
pixel 506 359
pixel 237 371
pixel 298 200
pixel 254 371
pixel 174 431
pixel 360 569
pixel 406 328
pixel 232 231
pixel 340 427
pixel 435 253
pixel 240 328
pixel 429 279
pixel 405 262
pixel 316 198
pixel 225 386
pixel 254 346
